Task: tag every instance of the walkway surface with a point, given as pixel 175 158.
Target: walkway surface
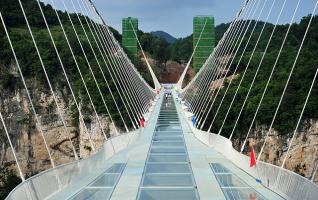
pixel 165 161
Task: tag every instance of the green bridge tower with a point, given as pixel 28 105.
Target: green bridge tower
pixel 207 41
pixel 129 41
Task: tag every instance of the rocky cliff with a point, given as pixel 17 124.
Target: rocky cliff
pixel 303 156
pixel 27 140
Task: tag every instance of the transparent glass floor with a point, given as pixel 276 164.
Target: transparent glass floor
pixel 93 194
pixel 103 186
pixel 168 180
pixel 168 194
pixel 167 144
pixel 233 187
pixel 154 158
pixel 168 174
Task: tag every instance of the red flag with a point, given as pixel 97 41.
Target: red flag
pixel 252 197
pixel 252 157
pixel 142 122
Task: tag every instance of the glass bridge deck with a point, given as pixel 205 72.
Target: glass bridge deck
pixel 166 162
pixel 168 173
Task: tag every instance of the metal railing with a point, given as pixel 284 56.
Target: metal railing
pixel 52 181
pixel 286 183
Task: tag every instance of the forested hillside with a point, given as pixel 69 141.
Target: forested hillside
pixel 298 87
pixel 169 38
pixel 161 52
pixel 23 132
pixel 29 60
pixel 181 50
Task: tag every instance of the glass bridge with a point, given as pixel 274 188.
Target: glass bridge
pixel 164 161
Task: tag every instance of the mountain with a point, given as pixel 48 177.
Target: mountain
pixel 169 38
pixel 26 137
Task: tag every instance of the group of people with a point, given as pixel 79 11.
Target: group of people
pixel 168 95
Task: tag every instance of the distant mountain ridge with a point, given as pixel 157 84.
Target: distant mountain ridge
pixel 169 38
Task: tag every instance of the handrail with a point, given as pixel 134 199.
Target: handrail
pixel 49 182
pixel 284 182
pixel 47 186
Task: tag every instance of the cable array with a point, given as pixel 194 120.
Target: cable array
pixel 222 92
pixel 114 86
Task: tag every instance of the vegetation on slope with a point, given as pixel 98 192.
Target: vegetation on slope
pixel 296 92
pixel 33 72
pixel 30 62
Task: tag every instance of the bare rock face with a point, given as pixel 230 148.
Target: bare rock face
pixel 93 135
pixel 172 71
pixel 29 143
pixel 303 155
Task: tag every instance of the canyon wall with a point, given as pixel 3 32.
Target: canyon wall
pixel 27 139
pixel 303 155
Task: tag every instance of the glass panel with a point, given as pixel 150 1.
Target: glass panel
pixel 160 120
pixel 228 180
pixel 167 133
pixel 168 174
pixel 232 186
pixel 168 128
pixel 116 168
pixel 168 150
pixel 166 194
pixel 168 158
pixel 169 123
pixel 241 194
pixel 93 194
pixel 174 122
pixel 169 144
pixel 107 180
pixel 168 180
pixel 168 138
pixel 219 168
pixel 168 116
pixel 168 168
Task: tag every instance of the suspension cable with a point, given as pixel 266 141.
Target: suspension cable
pixel 179 83
pixel 244 50
pixel 277 58
pixel 154 78
pixel 218 76
pixel 98 63
pixel 10 143
pixel 289 77
pixel 235 49
pixel 220 50
pixel 245 70
pixel 48 80
pixel 39 125
pixel 228 47
pixel 64 72
pixel 92 72
pixel 104 45
pixel 299 119
pixel 256 73
pixel 201 82
pixel 129 82
pixel 81 75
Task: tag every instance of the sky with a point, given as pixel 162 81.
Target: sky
pixel 172 16
pixel 175 16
